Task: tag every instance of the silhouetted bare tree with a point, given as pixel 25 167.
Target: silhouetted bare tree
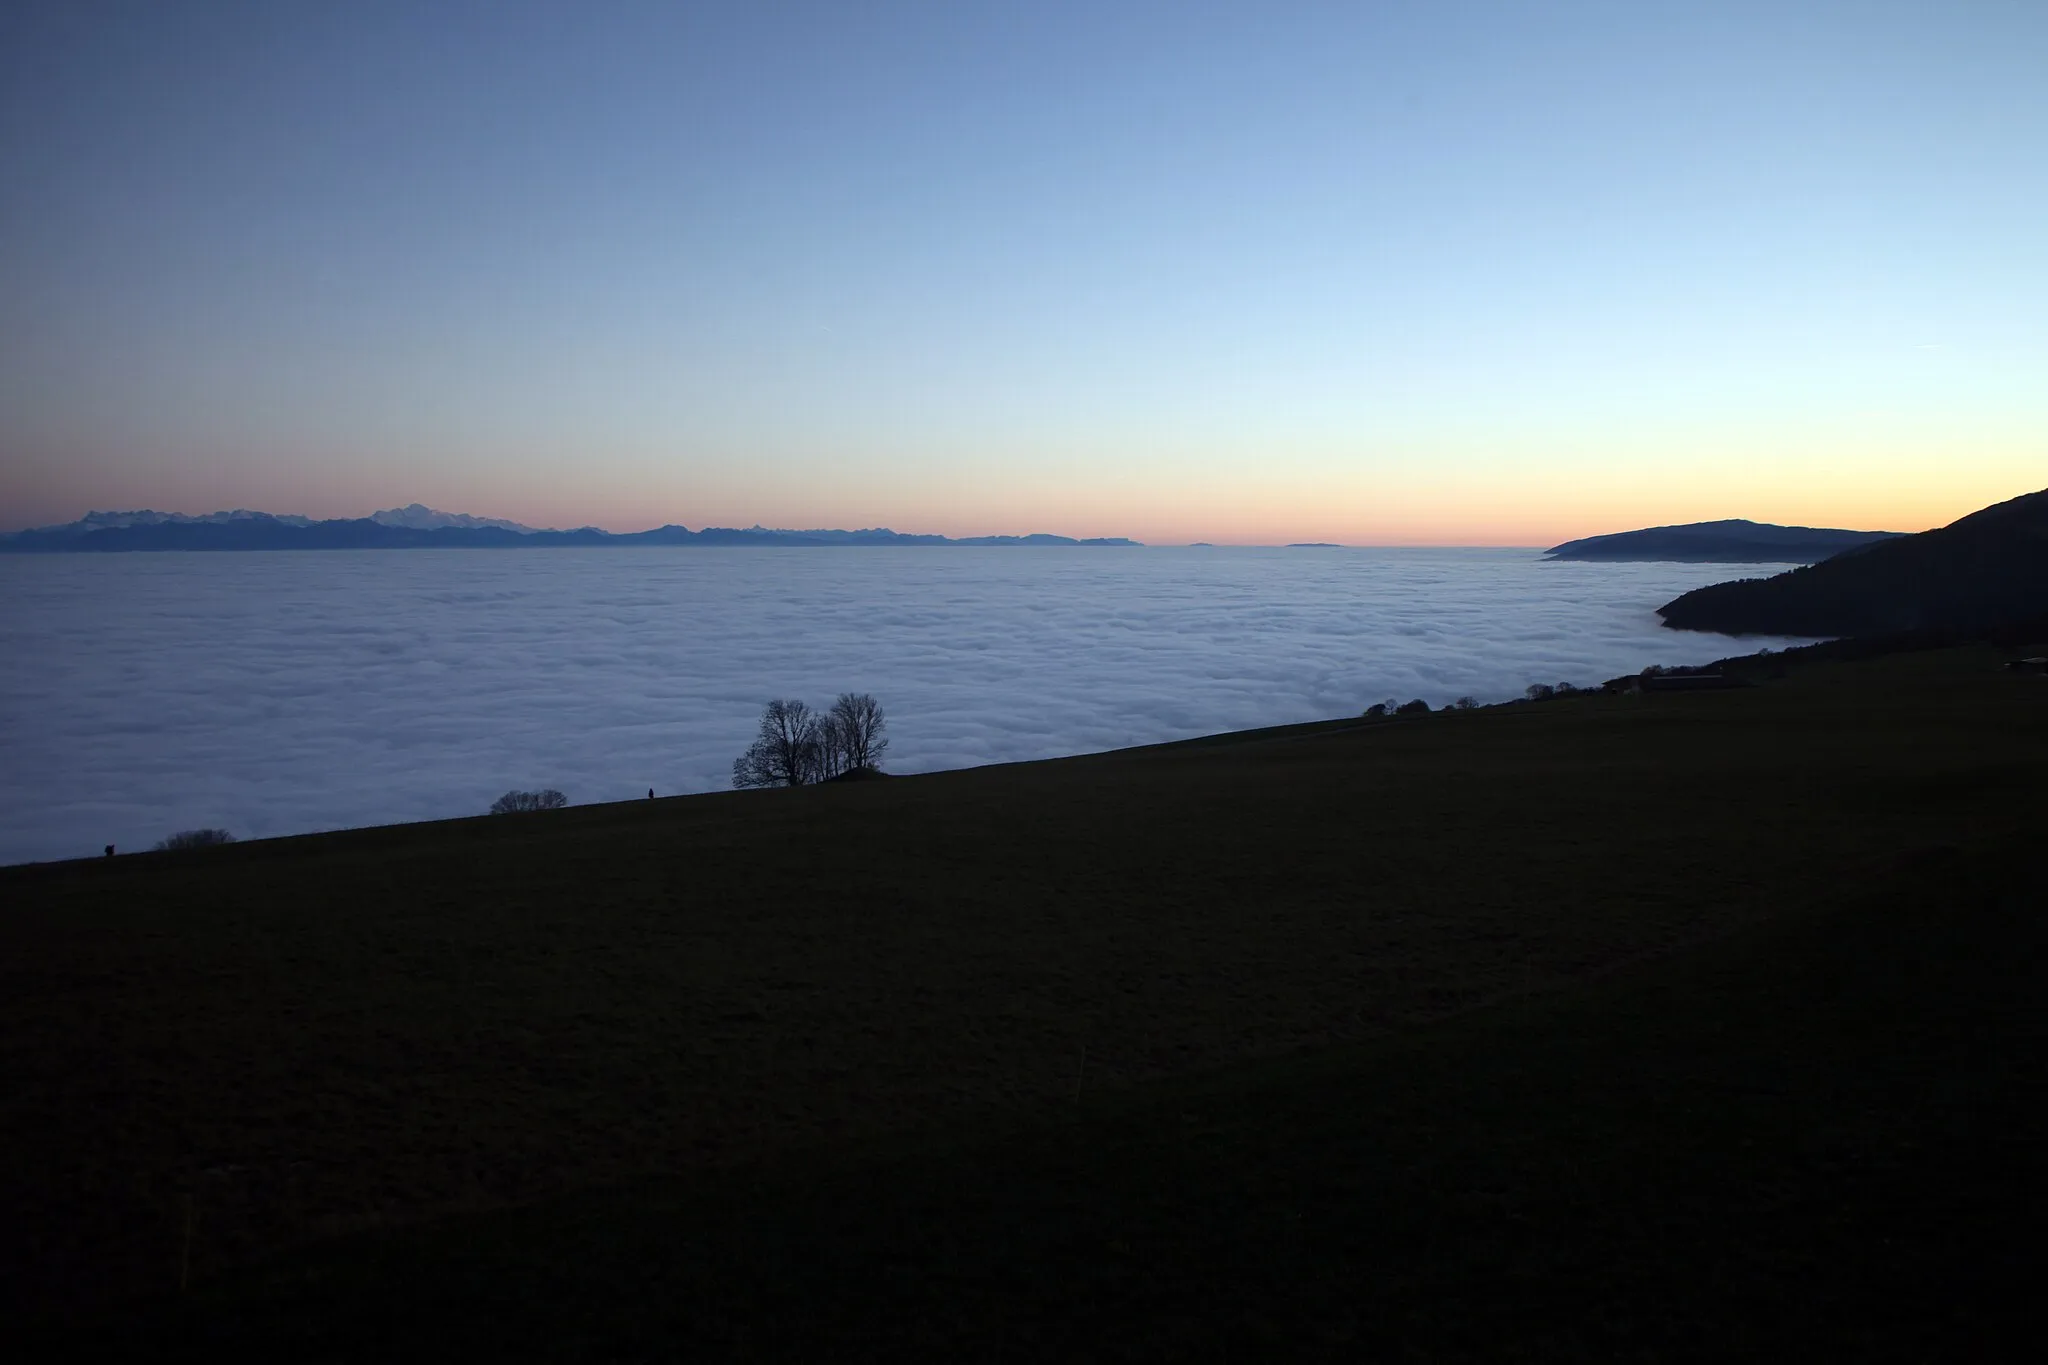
pixel 191 838
pixel 831 750
pixel 789 752
pixel 515 801
pixel 856 733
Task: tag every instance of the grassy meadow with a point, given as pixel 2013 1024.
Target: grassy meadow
pixel 1662 1025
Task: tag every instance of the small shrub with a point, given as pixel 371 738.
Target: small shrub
pixel 1464 704
pixel 513 802
pixel 194 838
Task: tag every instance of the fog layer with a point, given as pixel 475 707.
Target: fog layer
pixel 278 693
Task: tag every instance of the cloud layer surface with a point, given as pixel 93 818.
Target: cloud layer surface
pixel 278 693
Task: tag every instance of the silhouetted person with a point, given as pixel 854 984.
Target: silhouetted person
pixel 110 850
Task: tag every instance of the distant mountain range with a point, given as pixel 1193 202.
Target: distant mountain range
pixel 1720 542
pixel 1985 570
pixel 416 516
pixel 419 527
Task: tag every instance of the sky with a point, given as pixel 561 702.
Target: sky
pixel 1369 273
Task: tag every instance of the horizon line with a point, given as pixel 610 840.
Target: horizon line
pixel 508 523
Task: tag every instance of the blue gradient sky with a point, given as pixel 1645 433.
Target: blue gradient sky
pixel 1369 273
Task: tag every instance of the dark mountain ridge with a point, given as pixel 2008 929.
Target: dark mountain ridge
pixel 1719 542
pixel 1984 570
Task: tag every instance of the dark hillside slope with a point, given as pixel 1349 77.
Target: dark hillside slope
pixel 1811 1141
pixel 212 1056
pixel 1987 569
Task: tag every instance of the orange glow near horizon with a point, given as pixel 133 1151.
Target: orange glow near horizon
pixel 1443 489
pixel 1462 516
pixel 1428 525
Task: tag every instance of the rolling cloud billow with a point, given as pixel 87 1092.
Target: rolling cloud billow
pixel 141 694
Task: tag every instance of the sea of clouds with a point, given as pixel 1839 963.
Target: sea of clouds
pixel 277 693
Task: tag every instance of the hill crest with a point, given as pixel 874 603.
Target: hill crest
pixel 1731 541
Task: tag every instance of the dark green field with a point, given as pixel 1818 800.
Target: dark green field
pixel 1674 1025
